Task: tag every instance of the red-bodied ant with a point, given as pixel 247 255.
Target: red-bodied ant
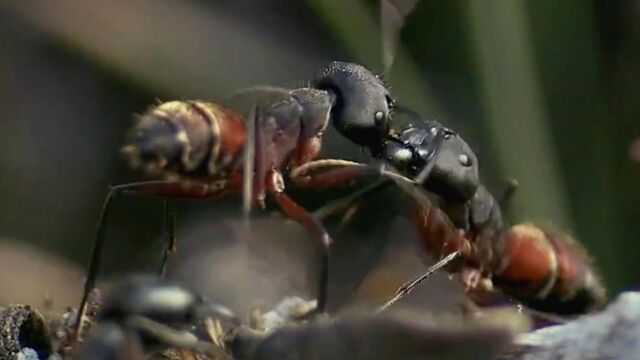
pixel 457 217
pixel 205 150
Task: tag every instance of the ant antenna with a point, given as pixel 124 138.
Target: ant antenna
pixel 412 114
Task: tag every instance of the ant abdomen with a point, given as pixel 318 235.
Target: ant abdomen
pixel 548 271
pixel 194 138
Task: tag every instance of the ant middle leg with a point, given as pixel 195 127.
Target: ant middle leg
pixel 165 188
pixel 299 214
pixel 332 172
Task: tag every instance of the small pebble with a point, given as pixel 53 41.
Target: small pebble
pixel 27 354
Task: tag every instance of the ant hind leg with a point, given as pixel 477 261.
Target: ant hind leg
pixel 299 214
pixel 145 188
pixel 169 234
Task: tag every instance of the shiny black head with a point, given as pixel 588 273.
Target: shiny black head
pixel 151 298
pixel 454 173
pixel 362 103
pixel 161 301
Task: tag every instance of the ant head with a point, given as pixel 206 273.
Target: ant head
pixel 454 173
pixel 152 298
pixel 362 105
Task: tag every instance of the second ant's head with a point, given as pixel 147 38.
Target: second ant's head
pixel 455 167
pixel 362 107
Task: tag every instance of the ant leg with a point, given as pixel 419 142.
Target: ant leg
pixel 347 202
pixel 331 172
pixel 94 262
pixel 328 172
pixel 165 238
pixel 148 188
pixel 249 165
pixel 335 172
pixel 260 161
pixel 299 214
pixel 406 288
pixel 169 232
pixel 425 172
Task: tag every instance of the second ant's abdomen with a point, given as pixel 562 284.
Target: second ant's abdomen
pixel 190 139
pixel 548 272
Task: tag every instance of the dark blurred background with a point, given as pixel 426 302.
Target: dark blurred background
pixel 546 92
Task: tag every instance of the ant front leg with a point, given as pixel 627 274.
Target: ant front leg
pixel 168 233
pixel 165 188
pixel 299 214
pixel 332 172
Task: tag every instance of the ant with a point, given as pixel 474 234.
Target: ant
pixel 145 314
pixel 205 150
pixel 456 217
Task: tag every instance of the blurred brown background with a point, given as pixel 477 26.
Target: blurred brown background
pixel 545 91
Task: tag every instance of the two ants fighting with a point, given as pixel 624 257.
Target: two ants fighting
pixel 198 149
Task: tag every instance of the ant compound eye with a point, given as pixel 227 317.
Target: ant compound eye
pixel 465 160
pixel 379 117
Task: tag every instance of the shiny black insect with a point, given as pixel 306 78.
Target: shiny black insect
pixel 454 213
pixel 144 314
pixel 543 269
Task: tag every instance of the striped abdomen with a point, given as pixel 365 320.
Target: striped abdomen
pixel 547 271
pixel 543 270
pixel 187 139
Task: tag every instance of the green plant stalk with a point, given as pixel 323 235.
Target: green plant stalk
pixel 517 118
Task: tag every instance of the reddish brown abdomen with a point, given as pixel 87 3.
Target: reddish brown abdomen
pixel 528 267
pixel 547 272
pixel 187 139
pixel 578 288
